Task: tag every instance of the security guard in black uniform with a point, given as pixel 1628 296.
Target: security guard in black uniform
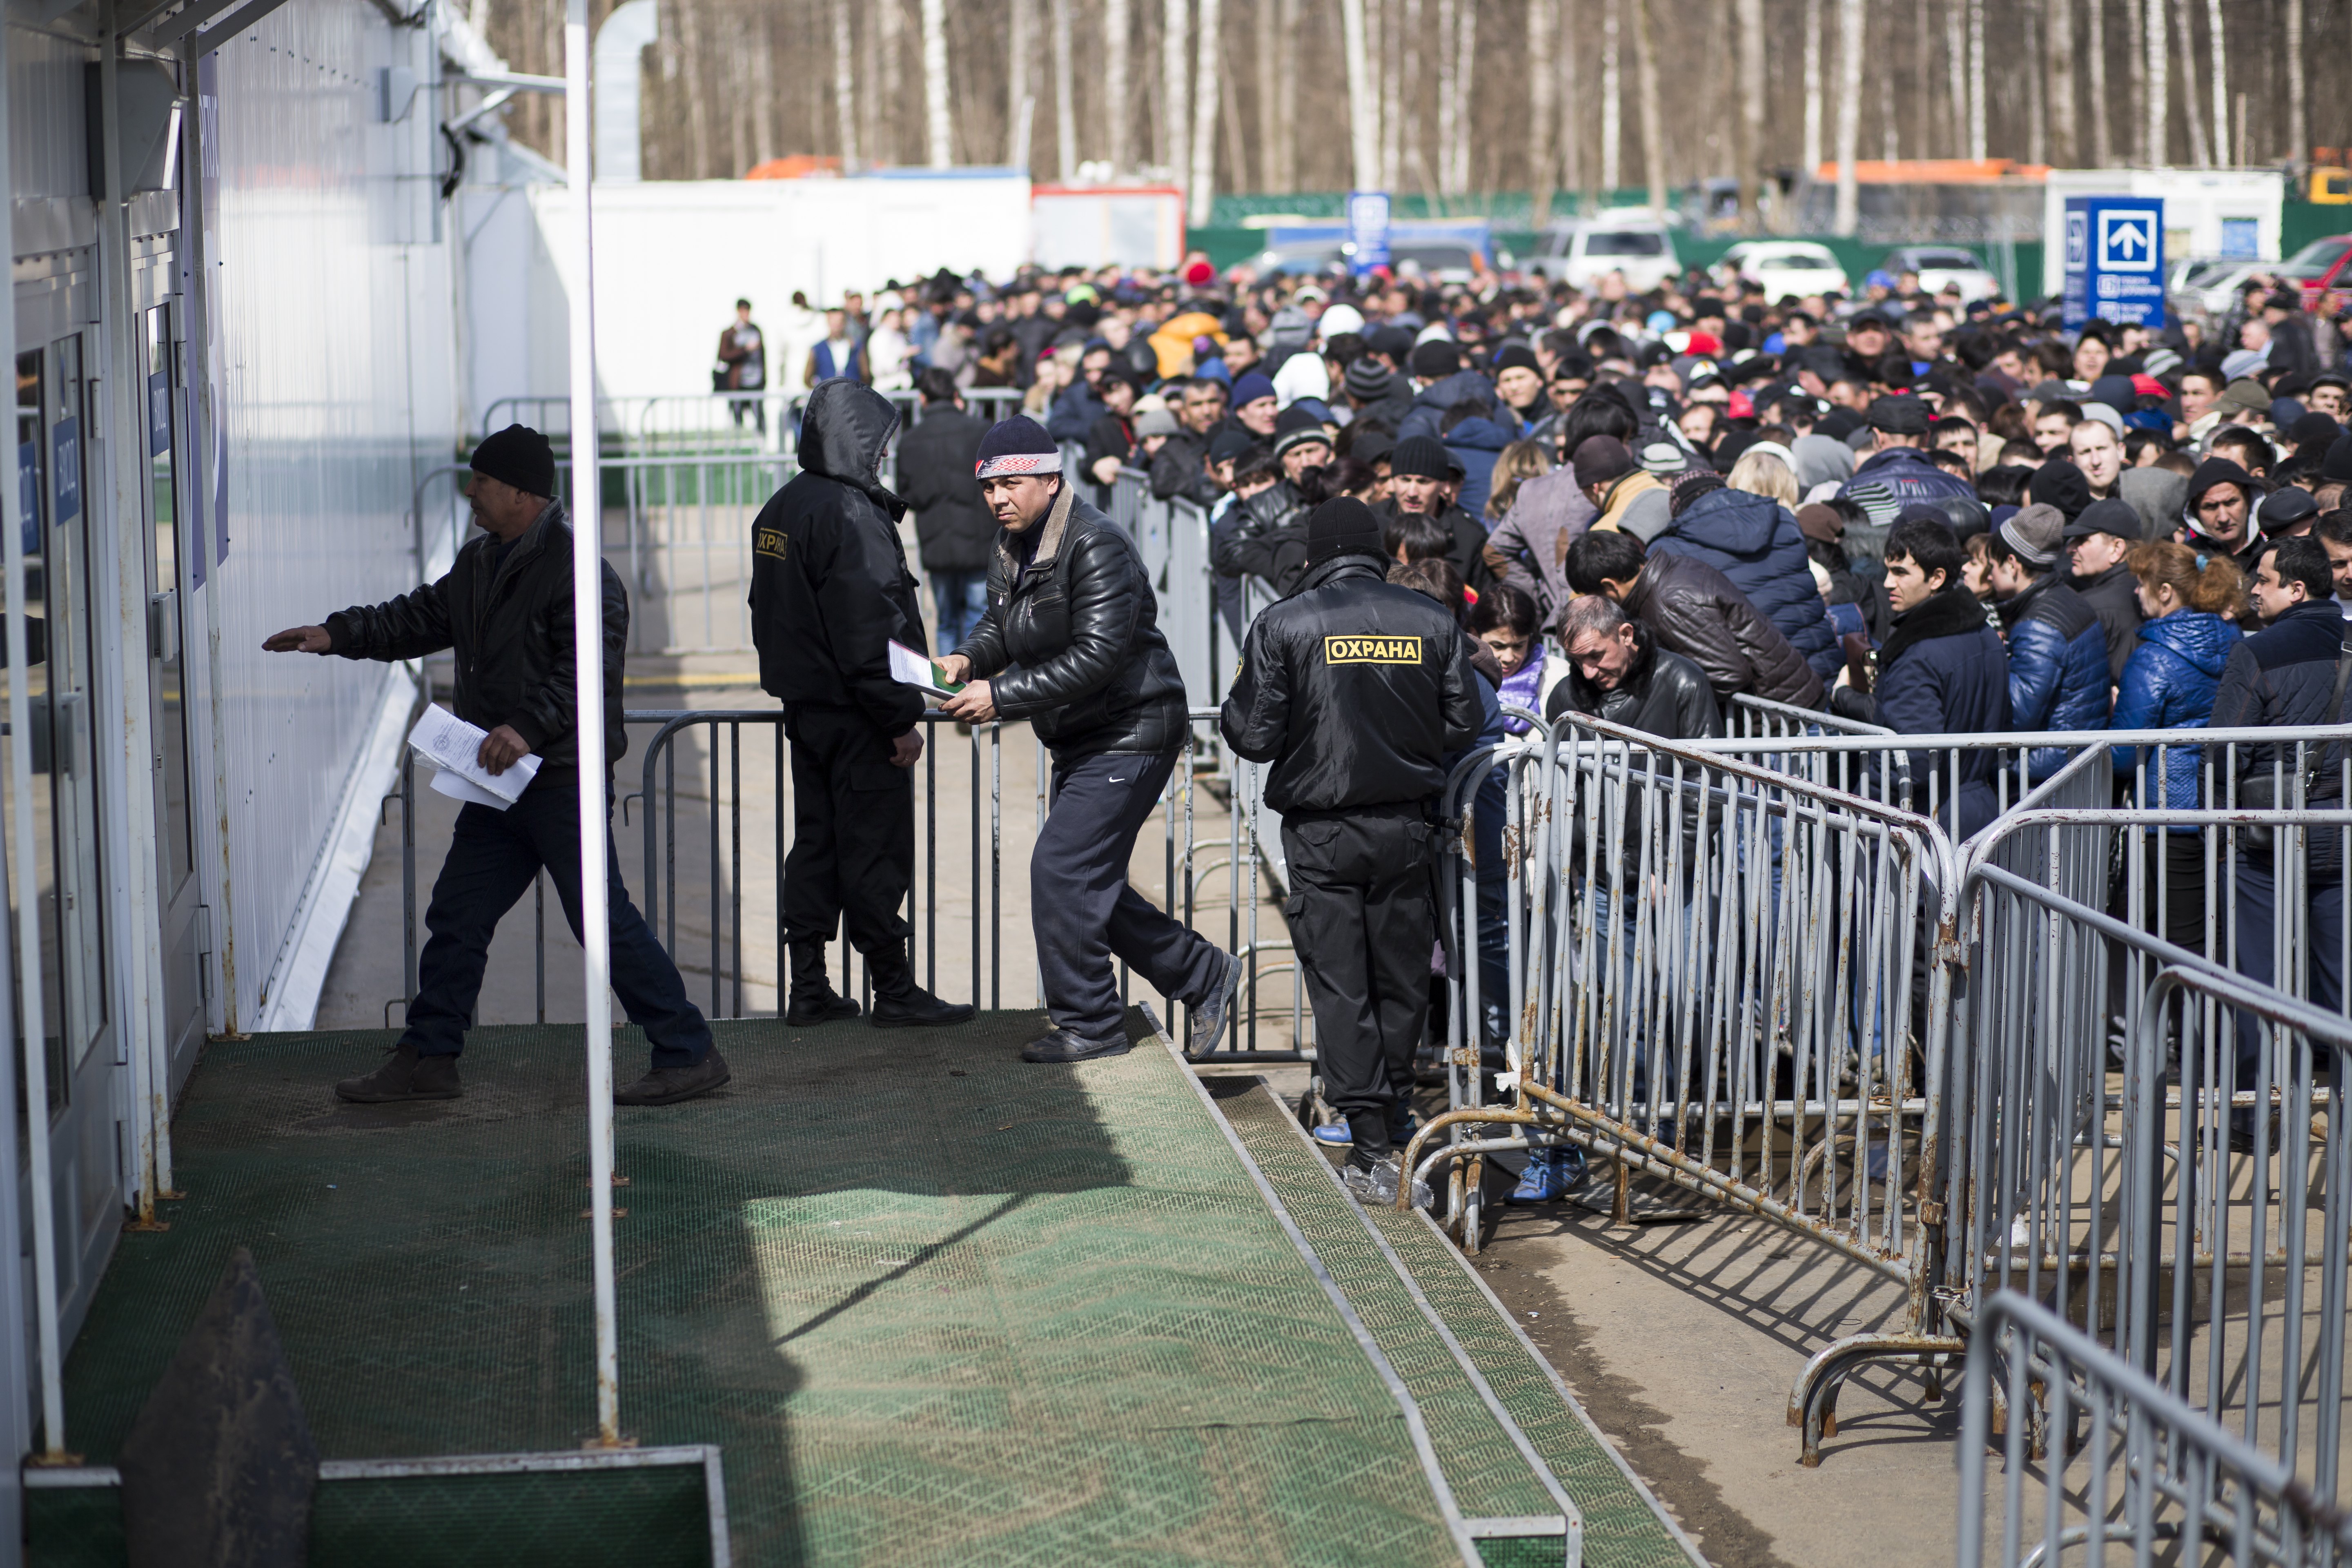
pixel 1354 689
pixel 830 591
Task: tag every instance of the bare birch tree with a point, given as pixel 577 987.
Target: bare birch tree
pixel 1018 50
pixel 1201 189
pixel 1849 116
pixel 1654 127
pixel 1613 101
pixel 1955 67
pixel 938 127
pixel 1066 107
pixel 1466 91
pixel 2156 94
pixel 2220 68
pixel 845 83
pixel 1541 62
pixel 1117 111
pixel 1976 80
pixel 1363 118
pixel 1810 158
pixel 1175 67
pixel 1448 64
pixel 2094 52
pixel 1750 15
pixel 2058 62
pixel 2200 151
pixel 2298 87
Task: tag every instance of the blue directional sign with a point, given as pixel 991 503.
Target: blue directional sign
pixel 1368 230
pixel 2114 260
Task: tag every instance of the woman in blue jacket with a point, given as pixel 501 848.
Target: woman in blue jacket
pixel 2169 684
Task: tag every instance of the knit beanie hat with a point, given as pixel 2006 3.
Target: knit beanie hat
pixel 1435 360
pixel 1251 387
pixel 1517 356
pixel 1367 379
pixel 1689 488
pixel 2059 483
pixel 1342 526
pixel 1016 446
pixel 517 455
pixel 2036 532
pixel 1297 426
pixel 1424 457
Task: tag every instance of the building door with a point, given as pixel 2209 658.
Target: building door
pixel 176 855
pixel 55 403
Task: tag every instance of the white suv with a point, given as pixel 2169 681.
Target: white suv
pixel 1580 255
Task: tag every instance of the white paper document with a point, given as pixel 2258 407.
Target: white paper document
pixel 908 667
pixel 451 744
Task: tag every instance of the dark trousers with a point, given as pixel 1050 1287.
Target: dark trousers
pixel 493 858
pixel 852 855
pixel 1082 909
pixel 2321 981
pixel 1363 923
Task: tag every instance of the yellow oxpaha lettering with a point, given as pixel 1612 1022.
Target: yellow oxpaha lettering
pixel 770 541
pixel 1371 650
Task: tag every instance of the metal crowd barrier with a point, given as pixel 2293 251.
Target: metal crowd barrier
pixel 2125 1468
pixel 690 815
pixel 1710 969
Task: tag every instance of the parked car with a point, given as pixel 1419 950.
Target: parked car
pixel 2321 265
pixel 1580 255
pixel 1784 268
pixel 1943 266
pixel 2209 286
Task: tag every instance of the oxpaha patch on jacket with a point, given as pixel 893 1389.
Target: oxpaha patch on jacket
pixel 770 541
pixel 1371 650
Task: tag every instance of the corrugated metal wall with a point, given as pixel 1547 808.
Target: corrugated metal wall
pixel 338 359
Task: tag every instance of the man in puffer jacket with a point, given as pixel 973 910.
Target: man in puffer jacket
pixel 1754 540
pixel 2057 649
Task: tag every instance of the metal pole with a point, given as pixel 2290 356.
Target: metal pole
pixel 588 682
pixel 24 858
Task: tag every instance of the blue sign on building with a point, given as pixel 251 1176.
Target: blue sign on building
pixel 65 477
pixel 2114 260
pixel 1368 230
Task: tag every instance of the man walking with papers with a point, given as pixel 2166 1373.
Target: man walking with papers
pixel 506 608
pixel 830 595
pixel 1070 641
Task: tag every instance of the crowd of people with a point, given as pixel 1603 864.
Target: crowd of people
pixel 1938 517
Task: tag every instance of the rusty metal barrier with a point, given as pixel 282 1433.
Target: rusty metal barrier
pixel 2125 1468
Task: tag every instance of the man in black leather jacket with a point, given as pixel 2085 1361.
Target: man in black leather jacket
pixel 506 608
pixel 1070 641
pixel 1356 690
pixel 830 593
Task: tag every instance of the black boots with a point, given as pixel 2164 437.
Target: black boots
pixel 901 1003
pixel 813 1000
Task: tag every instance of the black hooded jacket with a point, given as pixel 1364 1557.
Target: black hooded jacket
pixel 830 588
pixel 1355 690
pixel 1071 640
pixel 510 623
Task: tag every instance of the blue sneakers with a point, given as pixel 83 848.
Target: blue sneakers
pixel 1551 1174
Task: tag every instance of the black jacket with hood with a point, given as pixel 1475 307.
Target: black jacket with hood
pixel 1071 640
pixel 510 623
pixel 830 588
pixel 1356 690
pixel 1696 612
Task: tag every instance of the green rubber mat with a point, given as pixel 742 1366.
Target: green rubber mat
pixel 935 1305
pixel 1622 1525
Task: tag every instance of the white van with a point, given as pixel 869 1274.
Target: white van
pixel 1642 248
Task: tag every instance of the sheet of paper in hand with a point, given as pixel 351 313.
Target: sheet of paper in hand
pixel 452 745
pixel 908 667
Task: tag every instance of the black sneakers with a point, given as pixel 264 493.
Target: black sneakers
pixel 667 1086
pixel 406 1076
pixel 1062 1046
